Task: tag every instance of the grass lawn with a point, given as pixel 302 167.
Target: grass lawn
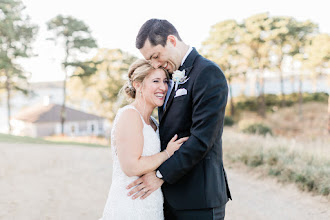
pixel 5 138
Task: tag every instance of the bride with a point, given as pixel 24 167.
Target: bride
pixel 135 145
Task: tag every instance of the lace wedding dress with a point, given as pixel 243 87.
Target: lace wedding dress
pixel 119 205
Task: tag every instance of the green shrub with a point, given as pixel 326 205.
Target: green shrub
pixel 244 103
pixel 325 190
pixel 247 103
pixel 316 97
pixel 257 128
pixel 274 172
pixel 229 121
pixel 256 160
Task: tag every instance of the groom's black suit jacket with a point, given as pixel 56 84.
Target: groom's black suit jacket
pixel 194 176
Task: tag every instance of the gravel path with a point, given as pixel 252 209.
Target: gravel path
pixel 50 182
pixel 43 182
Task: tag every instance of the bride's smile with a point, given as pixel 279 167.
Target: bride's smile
pixel 154 89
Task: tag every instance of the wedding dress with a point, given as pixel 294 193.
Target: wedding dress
pixel 119 205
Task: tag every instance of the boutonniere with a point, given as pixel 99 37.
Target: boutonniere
pixel 179 77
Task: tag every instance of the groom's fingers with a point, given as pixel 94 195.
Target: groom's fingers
pixel 135 183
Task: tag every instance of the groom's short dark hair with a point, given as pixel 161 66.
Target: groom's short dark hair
pixel 157 31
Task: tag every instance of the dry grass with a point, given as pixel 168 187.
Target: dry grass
pixel 312 124
pixel 306 163
pixel 299 151
pixel 287 122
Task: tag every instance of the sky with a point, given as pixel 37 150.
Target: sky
pixel 115 23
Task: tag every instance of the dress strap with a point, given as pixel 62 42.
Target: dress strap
pixel 132 107
pixel 155 121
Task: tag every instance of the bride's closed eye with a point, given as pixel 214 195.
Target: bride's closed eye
pixel 158 80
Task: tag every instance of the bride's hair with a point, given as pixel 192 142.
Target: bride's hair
pixel 137 72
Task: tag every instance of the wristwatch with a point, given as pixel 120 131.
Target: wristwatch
pixel 159 175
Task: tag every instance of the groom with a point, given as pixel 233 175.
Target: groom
pixel 193 180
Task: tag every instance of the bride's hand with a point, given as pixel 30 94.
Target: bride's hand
pixel 175 144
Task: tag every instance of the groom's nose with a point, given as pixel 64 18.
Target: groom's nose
pixel 156 64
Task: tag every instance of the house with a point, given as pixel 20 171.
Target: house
pixel 38 92
pixel 44 120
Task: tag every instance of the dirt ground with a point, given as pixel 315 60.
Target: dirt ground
pixel 50 182
pixel 261 198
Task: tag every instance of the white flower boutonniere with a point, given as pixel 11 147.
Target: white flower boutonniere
pixel 178 77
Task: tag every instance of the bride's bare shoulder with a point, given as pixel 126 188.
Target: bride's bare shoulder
pixel 129 120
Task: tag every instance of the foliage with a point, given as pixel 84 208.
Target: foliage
pixel 73 34
pixel 273 101
pixel 17 33
pixel 265 43
pixel 318 54
pixel 102 88
pixel 317 97
pixel 76 38
pixel 287 37
pixel 224 47
pixel 16 37
pixel 257 128
pixel 229 121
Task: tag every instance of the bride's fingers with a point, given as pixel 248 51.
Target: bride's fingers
pixel 140 193
pixel 136 189
pixel 181 140
pixel 174 138
pixel 135 183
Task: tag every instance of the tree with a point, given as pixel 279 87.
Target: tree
pixel 102 89
pixel 329 114
pixel 257 29
pixel 318 59
pixel 280 35
pixel 224 47
pixel 288 36
pixel 318 54
pixel 75 37
pixel 300 41
pixel 16 37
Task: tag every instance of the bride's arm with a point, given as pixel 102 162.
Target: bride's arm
pixel 129 143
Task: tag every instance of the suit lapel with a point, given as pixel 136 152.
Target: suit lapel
pixel 160 113
pixel 170 98
pixel 187 66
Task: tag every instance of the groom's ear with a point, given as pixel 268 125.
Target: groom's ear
pixel 171 39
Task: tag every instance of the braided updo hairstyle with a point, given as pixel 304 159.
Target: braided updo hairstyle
pixel 137 72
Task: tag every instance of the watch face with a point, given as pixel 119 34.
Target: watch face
pixel 159 175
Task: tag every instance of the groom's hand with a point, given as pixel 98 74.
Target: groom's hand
pixel 145 185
